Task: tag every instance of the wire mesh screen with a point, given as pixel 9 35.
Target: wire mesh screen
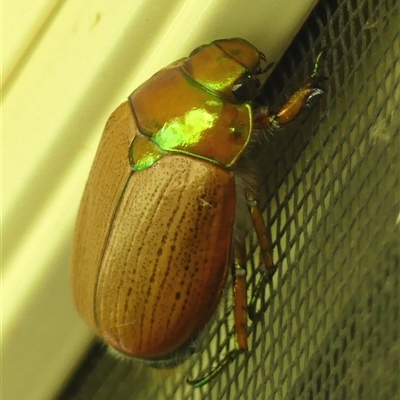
pixel 330 326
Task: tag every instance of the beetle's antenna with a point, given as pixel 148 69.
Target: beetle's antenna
pixel 262 56
pixel 267 68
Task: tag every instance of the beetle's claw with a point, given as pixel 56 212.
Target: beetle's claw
pixel 259 293
pixel 314 94
pixel 201 381
pixel 316 89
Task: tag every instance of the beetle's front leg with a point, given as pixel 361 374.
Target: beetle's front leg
pixel 264 119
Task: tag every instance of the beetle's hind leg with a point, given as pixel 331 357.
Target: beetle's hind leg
pixel 240 290
pixel 240 315
pixel 266 254
pixel 240 296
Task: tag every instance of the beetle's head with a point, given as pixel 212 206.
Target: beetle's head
pixel 228 67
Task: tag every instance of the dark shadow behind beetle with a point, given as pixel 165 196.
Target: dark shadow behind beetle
pixel 165 211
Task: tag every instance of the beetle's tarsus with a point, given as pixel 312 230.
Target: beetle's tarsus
pixel 258 293
pixel 319 60
pixel 201 381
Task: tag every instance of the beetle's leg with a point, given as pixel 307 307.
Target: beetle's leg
pixel 261 231
pixel 198 382
pixel 265 119
pixel 240 296
pixel 266 252
pixel 240 314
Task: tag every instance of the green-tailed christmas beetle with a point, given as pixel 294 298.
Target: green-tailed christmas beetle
pixel 160 224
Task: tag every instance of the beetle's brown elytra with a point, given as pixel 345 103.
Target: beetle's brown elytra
pixel 176 203
pixel 157 230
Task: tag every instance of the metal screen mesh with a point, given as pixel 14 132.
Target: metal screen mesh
pixel 331 313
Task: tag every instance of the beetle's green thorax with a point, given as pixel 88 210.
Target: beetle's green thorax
pixel 189 107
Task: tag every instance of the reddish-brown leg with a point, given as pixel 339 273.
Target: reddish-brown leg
pixel 264 119
pixel 264 243
pixel 240 296
pixel 240 314
pixel 261 231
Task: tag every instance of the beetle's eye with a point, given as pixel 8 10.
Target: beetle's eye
pixel 246 88
pixel 196 50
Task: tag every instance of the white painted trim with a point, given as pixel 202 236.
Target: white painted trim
pixel 72 63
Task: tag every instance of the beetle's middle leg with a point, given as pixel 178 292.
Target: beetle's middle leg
pixel 266 252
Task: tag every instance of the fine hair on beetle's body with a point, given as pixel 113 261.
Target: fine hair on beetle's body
pixel 172 360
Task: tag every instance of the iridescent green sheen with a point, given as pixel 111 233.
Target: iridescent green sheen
pixel 143 152
pixel 220 86
pixel 186 130
pixel 190 107
pixel 145 161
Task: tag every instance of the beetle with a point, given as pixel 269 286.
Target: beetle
pixel 161 222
